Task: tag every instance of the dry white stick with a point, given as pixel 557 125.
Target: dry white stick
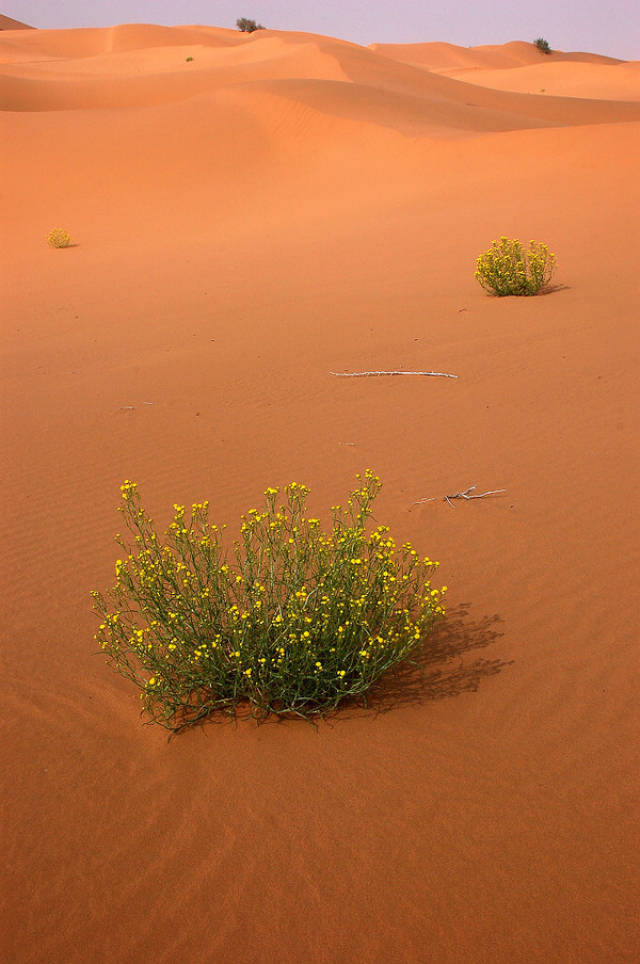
pixel 461 495
pixel 372 374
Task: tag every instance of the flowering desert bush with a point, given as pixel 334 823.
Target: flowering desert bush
pixel 295 620
pixel 507 268
pixel 58 238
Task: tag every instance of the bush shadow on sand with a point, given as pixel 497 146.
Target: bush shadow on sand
pixel 442 667
pixel 551 289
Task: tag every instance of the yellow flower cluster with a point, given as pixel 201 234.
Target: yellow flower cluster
pixel 128 489
pixel 506 268
pixel 58 238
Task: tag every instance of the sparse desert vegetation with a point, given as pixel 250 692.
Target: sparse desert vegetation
pixel 245 25
pixel 272 278
pixel 58 238
pixel 542 45
pixel 510 268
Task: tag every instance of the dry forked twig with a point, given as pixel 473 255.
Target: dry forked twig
pixel 373 374
pixel 466 494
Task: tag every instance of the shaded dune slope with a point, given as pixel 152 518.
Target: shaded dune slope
pixel 8 23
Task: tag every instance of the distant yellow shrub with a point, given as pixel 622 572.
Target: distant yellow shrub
pixel 58 238
pixel 508 269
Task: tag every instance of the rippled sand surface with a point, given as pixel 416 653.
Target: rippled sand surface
pixel 283 206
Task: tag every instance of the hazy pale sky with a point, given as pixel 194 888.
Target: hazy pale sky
pixel 609 27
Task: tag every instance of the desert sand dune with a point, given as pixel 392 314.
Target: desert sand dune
pixel 520 67
pixel 281 207
pixel 8 23
pixel 115 68
pixel 562 79
pixel 441 56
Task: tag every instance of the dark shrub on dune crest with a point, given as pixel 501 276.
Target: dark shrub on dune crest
pixel 248 26
pixel 542 45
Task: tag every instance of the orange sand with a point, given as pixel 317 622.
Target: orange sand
pixel 521 67
pixel 283 206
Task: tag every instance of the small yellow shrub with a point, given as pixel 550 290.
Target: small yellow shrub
pixel 58 238
pixel 508 269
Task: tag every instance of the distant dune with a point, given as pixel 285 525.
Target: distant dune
pixel 250 213
pixel 7 23
pixel 520 67
pixel 138 65
pixel 439 56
